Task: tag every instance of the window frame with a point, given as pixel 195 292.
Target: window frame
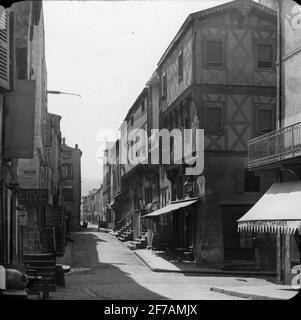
pixel 265 43
pixel 143 106
pixel 263 106
pixel 257 190
pixel 70 189
pixel 67 152
pixel 68 176
pixel 205 44
pixel 164 85
pixel 221 107
pixel 180 66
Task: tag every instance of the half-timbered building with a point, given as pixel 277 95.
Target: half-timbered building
pixel 219 74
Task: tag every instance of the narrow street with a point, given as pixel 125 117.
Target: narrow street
pixel 104 268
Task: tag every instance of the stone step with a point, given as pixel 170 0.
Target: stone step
pixel 131 246
pixel 135 242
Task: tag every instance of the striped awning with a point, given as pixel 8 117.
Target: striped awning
pixel 173 206
pixel 279 210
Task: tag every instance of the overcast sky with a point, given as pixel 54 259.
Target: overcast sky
pixel 106 51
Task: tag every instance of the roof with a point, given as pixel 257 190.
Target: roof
pixel 174 206
pixel 135 105
pixel 278 209
pixel 239 4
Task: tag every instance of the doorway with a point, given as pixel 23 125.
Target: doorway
pixel 237 245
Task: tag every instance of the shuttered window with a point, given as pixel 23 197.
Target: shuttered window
pixel 264 118
pixel 214 117
pixel 148 196
pixel 68 193
pixel 67 154
pixel 264 56
pixel 180 66
pixel 214 54
pixel 48 132
pixel 164 85
pixel 4 49
pixel 67 171
pixel 21 60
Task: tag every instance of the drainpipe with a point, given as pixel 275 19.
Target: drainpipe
pixel 281 268
pixel 279 74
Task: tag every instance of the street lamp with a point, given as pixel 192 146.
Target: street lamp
pixel 60 92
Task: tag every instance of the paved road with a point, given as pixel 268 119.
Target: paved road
pixel 104 268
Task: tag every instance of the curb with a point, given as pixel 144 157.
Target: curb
pixel 208 272
pixel 249 296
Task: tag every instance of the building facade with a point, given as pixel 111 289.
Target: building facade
pixel 71 185
pixel 92 206
pixel 219 75
pixel 279 152
pixel 24 130
pixel 8 166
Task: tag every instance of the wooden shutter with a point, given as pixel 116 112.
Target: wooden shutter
pixel 4 49
pixel 48 131
pixel 214 53
pixel 21 62
pixel 265 56
pixel 264 121
pixel 214 117
pixel 180 66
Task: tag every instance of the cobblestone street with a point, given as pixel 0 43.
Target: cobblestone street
pixel 104 268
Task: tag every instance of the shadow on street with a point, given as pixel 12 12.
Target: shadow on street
pixel 106 280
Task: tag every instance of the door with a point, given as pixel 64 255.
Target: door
pixel 237 245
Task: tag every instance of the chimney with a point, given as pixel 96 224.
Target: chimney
pixel 76 146
pixel 64 140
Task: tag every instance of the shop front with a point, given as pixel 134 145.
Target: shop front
pixel 180 214
pixel 278 212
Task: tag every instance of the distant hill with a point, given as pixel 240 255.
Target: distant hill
pixel 89 184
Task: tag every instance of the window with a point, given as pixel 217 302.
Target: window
pixel 67 171
pixel 264 121
pixel 214 54
pixel 143 106
pixel 180 66
pixel 67 154
pixel 251 182
pixel 21 61
pixel 148 195
pixel 264 56
pixel 136 202
pixel 68 193
pixel 214 123
pixel 164 85
pixel 238 180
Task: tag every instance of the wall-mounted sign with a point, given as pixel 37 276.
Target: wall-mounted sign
pixel 37 197
pixel 19 121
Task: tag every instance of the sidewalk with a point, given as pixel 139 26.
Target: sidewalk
pixel 263 290
pixel 273 292
pixel 158 264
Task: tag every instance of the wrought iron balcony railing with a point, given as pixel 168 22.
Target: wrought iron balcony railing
pixel 275 146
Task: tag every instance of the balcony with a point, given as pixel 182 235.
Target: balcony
pixel 279 145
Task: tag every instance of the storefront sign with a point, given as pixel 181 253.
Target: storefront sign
pixel 37 197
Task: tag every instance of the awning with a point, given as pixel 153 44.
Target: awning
pixel 278 210
pixel 176 205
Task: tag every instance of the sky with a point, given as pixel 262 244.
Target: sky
pixel 105 51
